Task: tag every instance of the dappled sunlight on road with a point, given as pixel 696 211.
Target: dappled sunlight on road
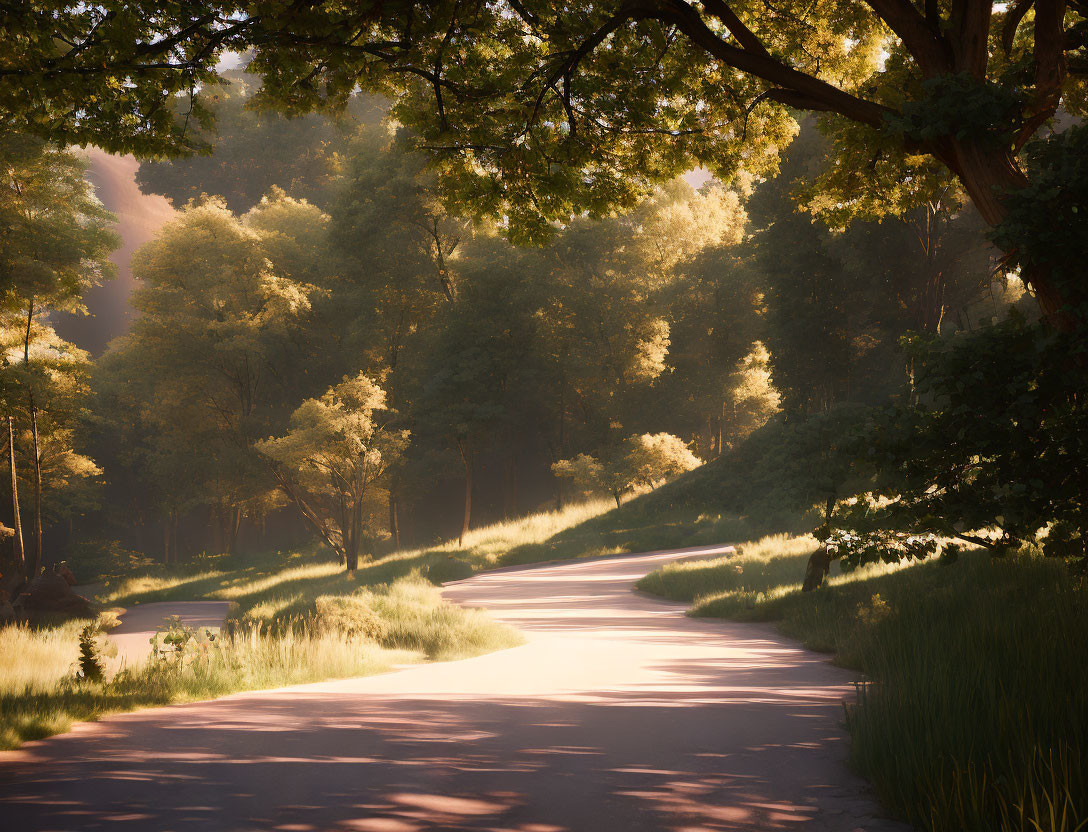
pixel 618 713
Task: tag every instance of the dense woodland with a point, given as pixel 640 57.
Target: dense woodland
pixel 804 276
pixel 313 286
pixel 398 300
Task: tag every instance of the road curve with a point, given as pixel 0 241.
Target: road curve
pixel 140 623
pixel 618 714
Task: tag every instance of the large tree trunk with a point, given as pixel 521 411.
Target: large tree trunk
pixel 988 176
pixel 17 540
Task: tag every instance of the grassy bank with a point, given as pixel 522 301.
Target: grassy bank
pixel 288 603
pixel 278 586
pixel 367 631
pixel 975 718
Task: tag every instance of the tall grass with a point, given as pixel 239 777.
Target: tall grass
pixel 976 713
pixel 249 659
pixel 36 659
pixel 40 693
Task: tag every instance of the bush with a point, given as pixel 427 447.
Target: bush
pixel 98 559
pixel 350 614
pixel 993 451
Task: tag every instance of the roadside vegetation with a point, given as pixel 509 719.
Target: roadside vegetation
pixel 864 332
pixel 969 719
pixel 348 630
pixel 299 617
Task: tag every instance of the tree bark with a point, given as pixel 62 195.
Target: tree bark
pixel 351 548
pixel 17 540
pixel 988 176
pixel 309 514
pixel 819 564
pixel 36 563
pixel 465 458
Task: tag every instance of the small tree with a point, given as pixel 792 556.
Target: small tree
pixel 752 398
pixel 641 462
pixel 335 450
pixel 991 452
pixel 585 473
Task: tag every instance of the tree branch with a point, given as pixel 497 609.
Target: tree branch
pixel 1050 66
pixel 971 34
pixel 745 36
pixel 814 91
pixel 918 36
pixel 1013 17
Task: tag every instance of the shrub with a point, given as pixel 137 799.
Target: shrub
pixel 349 614
pixel 99 559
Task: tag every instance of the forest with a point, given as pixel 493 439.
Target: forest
pixel 796 289
pixel 313 290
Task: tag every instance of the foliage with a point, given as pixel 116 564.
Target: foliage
pixel 334 452
pixel 966 723
pixel 57 236
pixel 253 151
pixel 753 398
pixel 209 361
pixel 993 441
pixel 837 302
pixel 90 667
pixel 641 462
pixel 55 245
pixel 649 459
pixel 535 116
pixel 585 473
pixel 1047 222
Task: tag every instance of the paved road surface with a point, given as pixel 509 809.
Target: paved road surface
pixel 139 623
pixel 619 714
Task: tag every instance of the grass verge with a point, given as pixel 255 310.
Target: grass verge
pixel 297 598
pixel 405 621
pixel 975 718
pixel 279 586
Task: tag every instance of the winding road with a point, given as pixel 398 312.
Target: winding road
pixel 619 713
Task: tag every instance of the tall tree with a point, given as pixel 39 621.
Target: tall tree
pixel 542 113
pixel 251 151
pixel 216 343
pixel 56 243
